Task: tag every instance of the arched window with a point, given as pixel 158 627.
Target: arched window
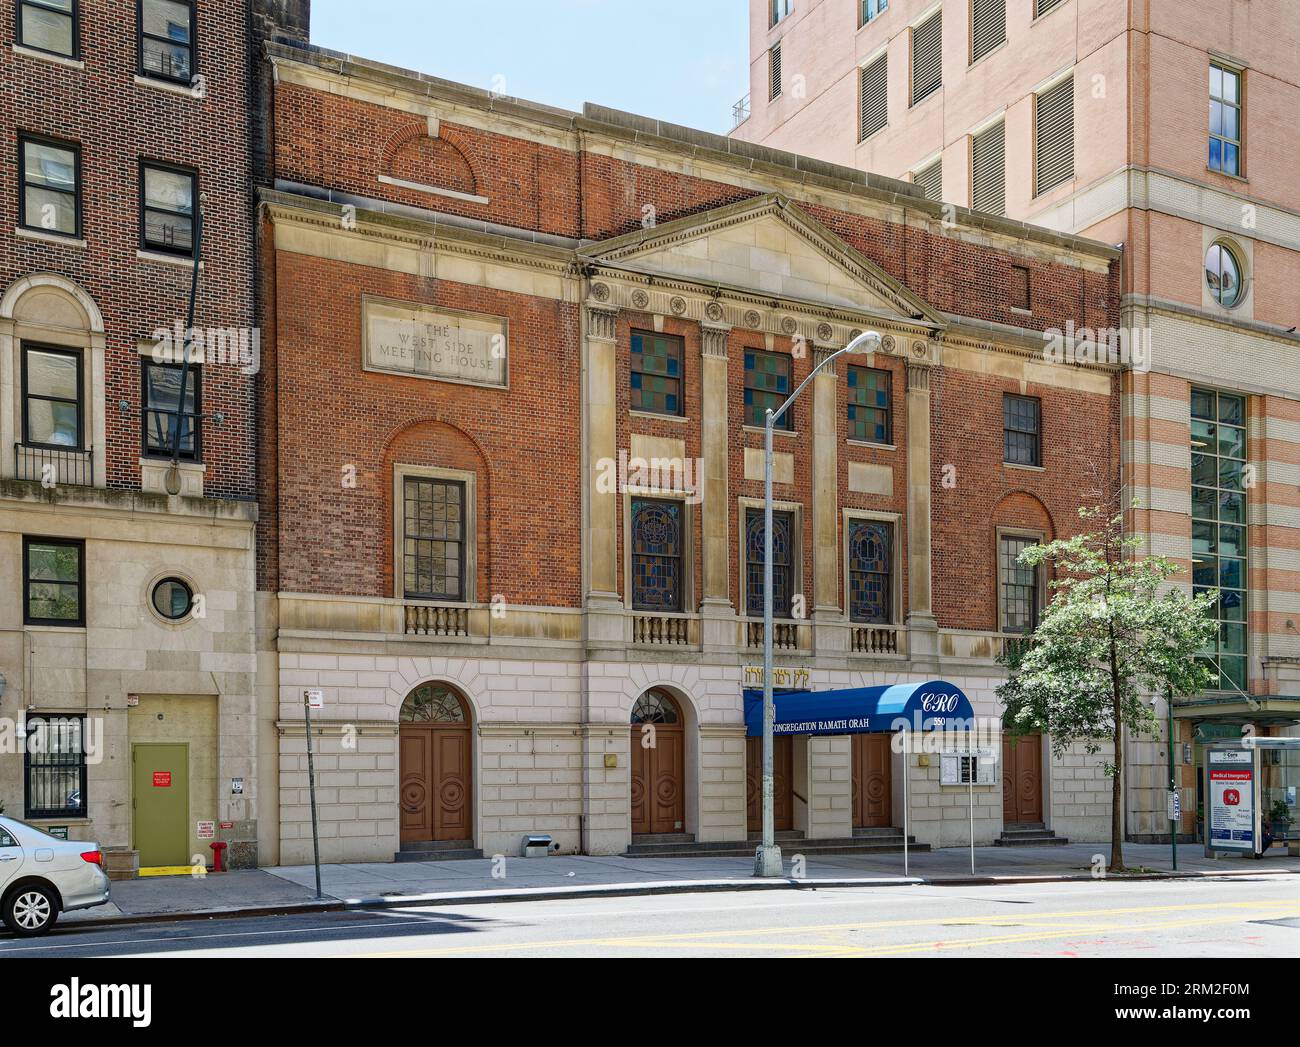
pixel 782 563
pixel 656 555
pixel 871 556
pixel 433 703
pixel 655 706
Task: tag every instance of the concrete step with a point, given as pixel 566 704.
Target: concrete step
pixel 443 855
pixel 782 836
pixel 438 845
pixel 657 838
pixel 736 849
pixel 1030 838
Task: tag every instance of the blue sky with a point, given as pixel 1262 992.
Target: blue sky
pixel 680 60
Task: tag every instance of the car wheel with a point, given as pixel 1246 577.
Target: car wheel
pixel 31 910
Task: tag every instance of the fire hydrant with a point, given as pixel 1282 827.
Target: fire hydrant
pixel 218 853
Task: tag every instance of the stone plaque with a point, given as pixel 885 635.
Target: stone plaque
pixel 442 344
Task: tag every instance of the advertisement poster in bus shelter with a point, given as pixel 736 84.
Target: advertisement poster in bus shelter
pixel 1231 808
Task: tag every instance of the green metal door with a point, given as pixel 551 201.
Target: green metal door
pixel 161 797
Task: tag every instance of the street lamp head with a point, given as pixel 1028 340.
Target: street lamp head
pixel 866 342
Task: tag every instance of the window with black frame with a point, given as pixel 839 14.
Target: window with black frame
pixel 164 413
pixel 53 581
pixel 1022 425
pixel 50 200
pixel 1019 589
pixel 52 397
pixel 869 405
pixel 49 26
pixel 55 767
pixel 656 555
pixel 434 539
pixel 167 39
pixel 782 563
pixel 167 209
pixel 871 561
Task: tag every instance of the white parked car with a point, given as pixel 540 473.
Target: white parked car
pixel 42 876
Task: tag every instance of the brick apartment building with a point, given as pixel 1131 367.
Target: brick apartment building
pixel 1161 126
pixel 484 319
pixel 126 628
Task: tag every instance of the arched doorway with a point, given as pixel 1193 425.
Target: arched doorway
pixel 436 775
pixel 658 765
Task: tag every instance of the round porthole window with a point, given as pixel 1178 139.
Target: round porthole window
pixel 172 599
pixel 1223 274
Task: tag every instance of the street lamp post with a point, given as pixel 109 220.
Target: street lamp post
pixel 767 862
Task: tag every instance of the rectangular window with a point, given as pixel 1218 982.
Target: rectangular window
pixel 49 26
pixel 656 377
pixel 871 571
pixel 767 385
pixel 1225 120
pixel 167 208
pixel 1022 430
pixel 1019 595
pixel 780 9
pixel 870 410
pixel 52 395
pixel 164 414
pixel 53 581
pixel 988 27
pixel 51 185
pixel 434 537
pixel 1219 538
pixel 1054 136
pixel 871 8
pixel 1019 293
pixel 927 57
pixel 55 767
pixel 657 546
pixel 167 39
pixel 1041 7
pixel 874 97
pixel 930 179
pixel 774 72
pixel 988 170
pixel 782 563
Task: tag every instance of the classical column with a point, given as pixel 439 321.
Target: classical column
pixel 601 399
pixel 716 608
pixel 923 634
pixel 826 607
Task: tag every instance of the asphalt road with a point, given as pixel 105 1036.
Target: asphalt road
pixel 1243 916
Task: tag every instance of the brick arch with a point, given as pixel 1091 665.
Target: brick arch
pixel 411 155
pixel 1022 509
pixel 437 443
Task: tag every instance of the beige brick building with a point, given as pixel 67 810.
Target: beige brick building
pixel 1159 126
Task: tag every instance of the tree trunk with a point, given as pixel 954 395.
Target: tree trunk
pixel 1117 798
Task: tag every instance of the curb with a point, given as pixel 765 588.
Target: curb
pixel 629 890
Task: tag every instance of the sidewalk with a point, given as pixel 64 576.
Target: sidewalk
pixel 293 888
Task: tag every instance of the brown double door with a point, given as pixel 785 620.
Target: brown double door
pixel 658 777
pixel 873 776
pixel 1022 779
pixel 435 783
pixel 782 782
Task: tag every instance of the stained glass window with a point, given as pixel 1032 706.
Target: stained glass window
pixel 869 405
pixel 434 539
pixel 1219 525
pixel 655 706
pixel 767 385
pixel 656 555
pixel 1022 430
pixel 432 703
pixel 656 373
pixel 782 563
pixel 871 558
pixel 1019 585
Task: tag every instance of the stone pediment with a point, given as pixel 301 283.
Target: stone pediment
pixel 766 246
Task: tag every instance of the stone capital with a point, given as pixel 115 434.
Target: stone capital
pixel 715 341
pixel 602 323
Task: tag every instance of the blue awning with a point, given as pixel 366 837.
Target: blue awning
pixel 862 710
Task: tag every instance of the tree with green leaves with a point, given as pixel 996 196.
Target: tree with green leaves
pixel 1114 634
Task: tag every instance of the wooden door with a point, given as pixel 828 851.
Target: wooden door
pixel 873 776
pixel 658 777
pixel 1022 779
pixel 782 784
pixel 435 783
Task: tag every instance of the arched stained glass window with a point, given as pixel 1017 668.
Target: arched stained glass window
pixel 433 703
pixel 782 561
pixel 655 706
pixel 656 555
pixel 871 558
